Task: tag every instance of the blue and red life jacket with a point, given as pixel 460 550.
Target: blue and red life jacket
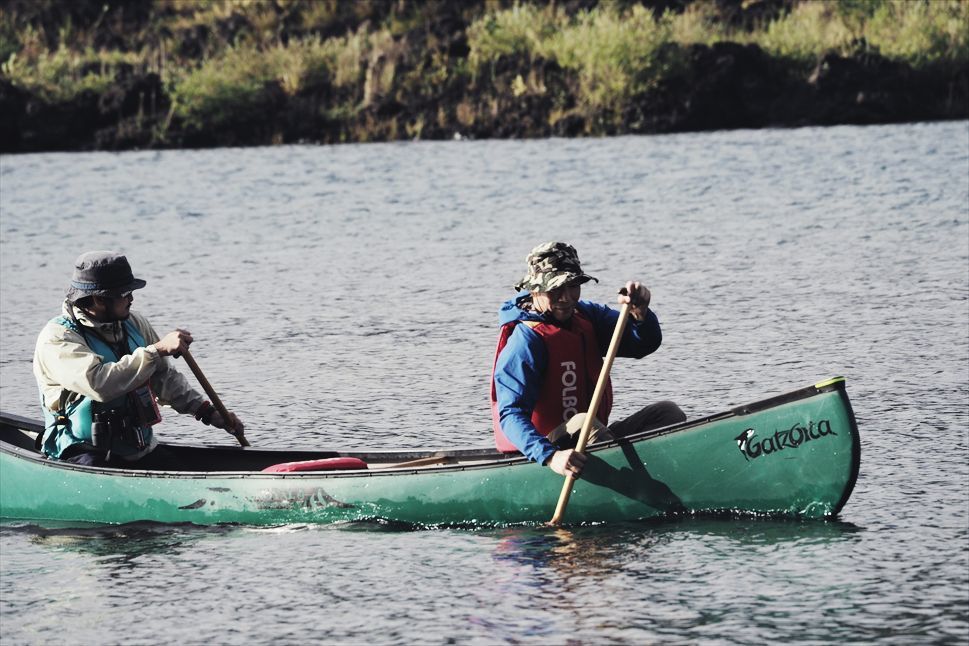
pixel 574 364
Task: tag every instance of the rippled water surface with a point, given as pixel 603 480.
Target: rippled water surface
pixel 346 296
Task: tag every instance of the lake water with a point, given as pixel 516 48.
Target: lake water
pixel 346 296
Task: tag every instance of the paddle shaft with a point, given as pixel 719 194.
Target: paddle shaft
pixel 593 409
pixel 210 391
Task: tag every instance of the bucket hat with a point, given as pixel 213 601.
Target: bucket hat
pixel 102 273
pixel 552 265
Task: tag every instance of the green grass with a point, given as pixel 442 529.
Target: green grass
pixel 921 32
pixel 520 31
pixel 614 55
pixel 232 83
pixel 222 89
pixel 62 74
pixel 917 32
pixel 613 52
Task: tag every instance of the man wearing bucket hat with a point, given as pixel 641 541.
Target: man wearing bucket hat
pixel 549 356
pixel 102 371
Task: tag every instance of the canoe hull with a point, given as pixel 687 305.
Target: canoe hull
pixel 797 457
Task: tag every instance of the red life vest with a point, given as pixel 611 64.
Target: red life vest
pixel 573 368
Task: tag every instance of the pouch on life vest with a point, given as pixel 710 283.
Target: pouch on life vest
pixel 327 464
pixel 573 368
pixel 144 406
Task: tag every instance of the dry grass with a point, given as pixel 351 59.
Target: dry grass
pixel 613 50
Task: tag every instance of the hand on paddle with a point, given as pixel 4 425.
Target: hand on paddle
pixel 174 343
pixel 638 297
pixel 568 462
pixel 235 426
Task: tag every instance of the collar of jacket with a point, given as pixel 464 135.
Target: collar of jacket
pixel 111 331
pixel 524 303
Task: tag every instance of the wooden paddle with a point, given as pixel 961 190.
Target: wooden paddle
pixel 593 408
pixel 210 391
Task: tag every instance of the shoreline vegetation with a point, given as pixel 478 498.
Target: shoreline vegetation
pixel 138 74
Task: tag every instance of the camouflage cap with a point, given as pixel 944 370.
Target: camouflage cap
pixel 550 266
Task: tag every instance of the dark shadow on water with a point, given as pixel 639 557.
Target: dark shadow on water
pixel 115 544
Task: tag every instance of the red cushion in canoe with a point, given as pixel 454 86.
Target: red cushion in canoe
pixel 329 464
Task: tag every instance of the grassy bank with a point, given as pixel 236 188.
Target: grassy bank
pixel 212 72
pixel 616 52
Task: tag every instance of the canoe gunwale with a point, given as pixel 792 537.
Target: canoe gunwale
pixel 482 458
pixel 36 458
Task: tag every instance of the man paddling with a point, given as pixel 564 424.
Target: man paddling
pixel 102 371
pixel 549 356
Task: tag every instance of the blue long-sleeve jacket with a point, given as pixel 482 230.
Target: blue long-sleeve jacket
pixel 520 368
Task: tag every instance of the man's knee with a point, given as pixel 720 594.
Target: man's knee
pixel 566 435
pixel 670 412
pixel 664 413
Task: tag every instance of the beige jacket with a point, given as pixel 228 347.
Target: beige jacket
pixel 66 367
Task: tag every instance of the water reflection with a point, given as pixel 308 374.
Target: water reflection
pixel 117 546
pixel 555 547
pixel 592 576
pixel 594 549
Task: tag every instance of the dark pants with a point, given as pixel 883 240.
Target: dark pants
pixel 653 416
pixel 160 459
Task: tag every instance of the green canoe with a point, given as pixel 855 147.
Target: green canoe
pixel 795 455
